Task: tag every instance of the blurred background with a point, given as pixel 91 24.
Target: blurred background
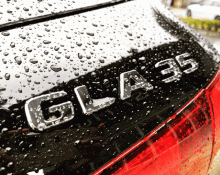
pixel 202 15
pixel 180 3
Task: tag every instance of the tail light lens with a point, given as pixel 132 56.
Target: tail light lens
pixel 181 145
pixel 214 93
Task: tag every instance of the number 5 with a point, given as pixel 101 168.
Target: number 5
pixel 182 62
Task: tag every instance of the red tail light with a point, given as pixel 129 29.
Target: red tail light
pixel 181 145
pixel 214 93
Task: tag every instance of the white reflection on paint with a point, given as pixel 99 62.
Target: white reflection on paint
pixel 41 172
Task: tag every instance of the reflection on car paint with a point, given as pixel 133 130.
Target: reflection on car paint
pixel 94 54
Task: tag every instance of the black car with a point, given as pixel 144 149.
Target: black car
pixel 105 87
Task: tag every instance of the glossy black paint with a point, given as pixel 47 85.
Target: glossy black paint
pixel 116 127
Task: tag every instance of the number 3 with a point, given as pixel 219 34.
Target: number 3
pixel 173 68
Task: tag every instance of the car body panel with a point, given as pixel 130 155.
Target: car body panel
pixel 20 11
pixel 94 48
pixel 43 44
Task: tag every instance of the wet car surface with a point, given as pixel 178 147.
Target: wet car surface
pixel 95 48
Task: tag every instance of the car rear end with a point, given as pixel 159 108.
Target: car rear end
pixel 138 87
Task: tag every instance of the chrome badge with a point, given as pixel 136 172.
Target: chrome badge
pixel 125 83
pixel 175 68
pixel 88 105
pixel 35 116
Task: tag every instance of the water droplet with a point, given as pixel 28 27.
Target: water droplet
pixel 6 54
pixel 25 156
pixel 28 49
pixel 78 43
pixel 26 69
pixel 59 82
pixel 7 150
pixel 4 60
pixel 90 33
pixel 33 60
pixel 21 143
pixel 22 36
pixel 56 48
pixel 4 130
pixel 39 35
pixel 43 144
pixel 46 24
pixel 95 25
pixel 18 60
pixel 62 21
pixel 129 33
pixel 7 76
pixel 80 56
pixel 88 56
pixel 67 56
pixel 76 73
pixel 126 25
pixel 40 10
pixel 46 52
pixel 68 37
pixel 95 42
pixel 25 9
pixel 85 68
pixel 57 57
pixel 47 29
pixel 2 89
pixel 2 170
pixel 36 82
pixel 93 74
pixel 55 68
pixel 41 127
pixel 9 11
pixel 5 33
pixel 101 60
pixel 12 45
pixel 10 164
pixel 17 76
pixel 46 42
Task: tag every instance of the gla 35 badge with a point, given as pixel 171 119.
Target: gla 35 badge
pixel 88 105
